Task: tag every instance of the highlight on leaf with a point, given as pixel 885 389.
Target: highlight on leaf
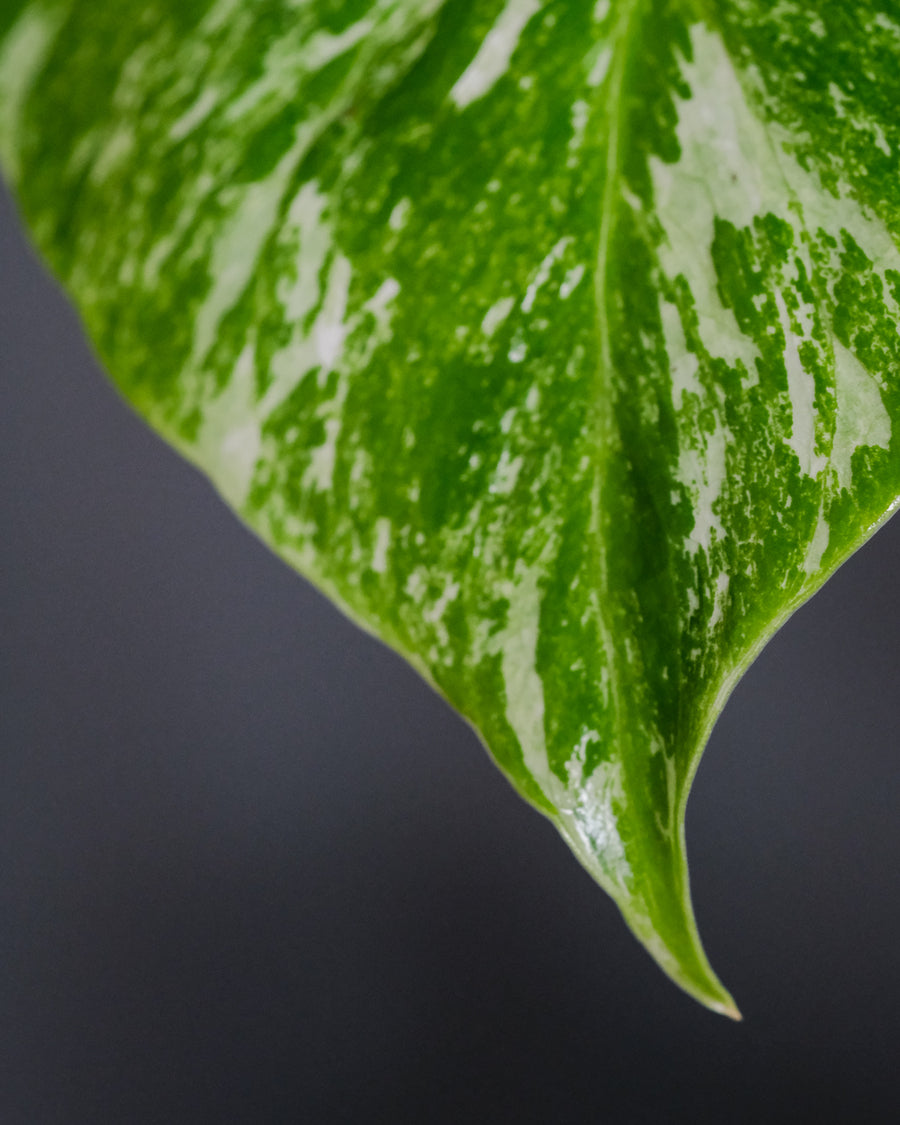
pixel 557 341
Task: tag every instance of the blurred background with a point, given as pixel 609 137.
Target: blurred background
pixel 252 869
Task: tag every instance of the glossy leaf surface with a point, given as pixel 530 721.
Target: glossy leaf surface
pixel 556 341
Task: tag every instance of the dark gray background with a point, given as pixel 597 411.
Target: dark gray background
pixel 252 870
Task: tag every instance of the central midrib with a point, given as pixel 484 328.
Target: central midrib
pixel 606 440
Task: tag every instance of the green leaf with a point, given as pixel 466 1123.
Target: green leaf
pixel 556 340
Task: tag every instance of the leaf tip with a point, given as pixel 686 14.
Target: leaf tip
pixel 728 1009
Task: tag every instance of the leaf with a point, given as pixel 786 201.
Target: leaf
pixel 556 341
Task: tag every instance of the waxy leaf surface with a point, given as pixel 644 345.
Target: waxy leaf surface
pixel 556 340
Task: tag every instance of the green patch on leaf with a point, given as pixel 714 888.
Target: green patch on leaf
pixel 556 340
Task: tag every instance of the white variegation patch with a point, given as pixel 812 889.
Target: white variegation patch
pixel 23 55
pixel 494 55
pixel 591 804
pixel 239 242
pixel 862 419
pixel 496 314
pixel 229 438
pixel 382 545
pixel 543 272
pixel 802 392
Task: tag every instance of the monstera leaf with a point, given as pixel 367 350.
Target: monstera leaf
pixel 556 340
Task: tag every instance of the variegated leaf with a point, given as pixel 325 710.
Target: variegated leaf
pixel 557 340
